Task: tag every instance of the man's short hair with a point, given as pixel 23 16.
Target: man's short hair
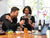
pixel 13 9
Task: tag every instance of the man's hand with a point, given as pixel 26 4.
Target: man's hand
pixel 22 22
pixel 9 18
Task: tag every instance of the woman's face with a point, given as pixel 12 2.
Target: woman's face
pixel 26 11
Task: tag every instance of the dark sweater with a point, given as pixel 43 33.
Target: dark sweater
pixel 8 25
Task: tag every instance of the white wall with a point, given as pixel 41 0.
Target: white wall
pixel 3 7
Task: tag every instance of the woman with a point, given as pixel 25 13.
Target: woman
pixel 29 20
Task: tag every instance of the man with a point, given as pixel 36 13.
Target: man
pixel 10 20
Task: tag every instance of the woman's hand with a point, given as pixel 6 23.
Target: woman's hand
pixel 30 22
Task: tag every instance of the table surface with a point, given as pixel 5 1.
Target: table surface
pixel 24 35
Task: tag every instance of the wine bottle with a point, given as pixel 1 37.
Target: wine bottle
pixel 43 23
pixel 39 26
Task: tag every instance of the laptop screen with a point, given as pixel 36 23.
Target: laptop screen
pixel 45 28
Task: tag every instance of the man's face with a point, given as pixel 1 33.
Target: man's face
pixel 16 13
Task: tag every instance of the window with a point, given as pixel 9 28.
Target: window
pixel 41 9
pixel 44 9
pixel 21 3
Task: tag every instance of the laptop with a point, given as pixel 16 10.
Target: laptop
pixel 44 30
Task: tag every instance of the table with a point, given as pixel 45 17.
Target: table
pixel 24 35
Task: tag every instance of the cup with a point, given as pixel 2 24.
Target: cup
pixel 48 33
pixel 25 30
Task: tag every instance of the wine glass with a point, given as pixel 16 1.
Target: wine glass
pixel 29 17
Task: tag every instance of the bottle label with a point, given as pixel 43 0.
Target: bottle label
pixel 39 28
